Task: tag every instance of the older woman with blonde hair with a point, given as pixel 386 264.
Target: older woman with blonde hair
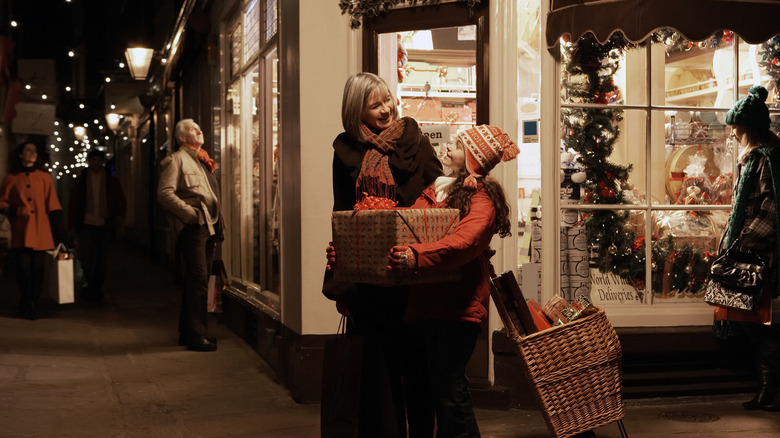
pixel 384 155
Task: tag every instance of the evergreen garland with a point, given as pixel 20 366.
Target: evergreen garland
pixel 592 132
pixel 770 59
pixel 369 9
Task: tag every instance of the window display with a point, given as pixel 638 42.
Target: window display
pixel 655 175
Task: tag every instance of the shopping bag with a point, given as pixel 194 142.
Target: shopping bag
pixel 218 280
pixel 79 277
pixel 59 275
pixel 341 376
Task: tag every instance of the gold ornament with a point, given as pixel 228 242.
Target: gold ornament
pixel 612 249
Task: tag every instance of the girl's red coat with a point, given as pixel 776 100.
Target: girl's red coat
pixel 467 248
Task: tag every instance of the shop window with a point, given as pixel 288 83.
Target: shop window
pixel 647 164
pixel 251 156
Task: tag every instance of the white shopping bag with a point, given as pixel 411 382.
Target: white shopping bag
pixel 217 282
pixel 59 275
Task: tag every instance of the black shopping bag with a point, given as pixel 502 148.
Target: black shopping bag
pixel 341 382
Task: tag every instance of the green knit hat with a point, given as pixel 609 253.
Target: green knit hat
pixel 751 111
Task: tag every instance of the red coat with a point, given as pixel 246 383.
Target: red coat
pixel 468 248
pixel 31 197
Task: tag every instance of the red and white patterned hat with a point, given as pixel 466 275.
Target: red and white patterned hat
pixel 485 146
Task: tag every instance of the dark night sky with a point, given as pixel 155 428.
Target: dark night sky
pixel 97 30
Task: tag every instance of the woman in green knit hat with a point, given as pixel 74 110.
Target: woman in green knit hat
pixel 754 221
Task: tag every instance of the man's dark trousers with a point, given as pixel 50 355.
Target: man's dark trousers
pixel 195 253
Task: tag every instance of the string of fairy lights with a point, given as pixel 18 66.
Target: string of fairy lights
pixel 69 143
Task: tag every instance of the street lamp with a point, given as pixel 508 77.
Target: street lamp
pixel 138 60
pixel 112 119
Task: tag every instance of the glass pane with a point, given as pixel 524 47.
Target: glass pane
pixel 435 77
pixel 235 51
pixel 274 213
pixel 614 241
pixel 270 18
pixel 685 242
pixel 602 74
pixel 257 160
pixel 602 156
pixel 751 72
pixel 251 30
pixel 697 158
pixel 694 74
pixel 233 174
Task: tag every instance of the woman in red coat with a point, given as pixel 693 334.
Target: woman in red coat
pixel 28 193
pixel 451 314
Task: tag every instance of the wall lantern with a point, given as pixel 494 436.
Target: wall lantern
pixel 112 119
pixel 138 60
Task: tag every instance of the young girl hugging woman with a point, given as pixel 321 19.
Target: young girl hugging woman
pixel 451 314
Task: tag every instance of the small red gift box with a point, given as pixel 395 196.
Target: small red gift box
pixel 363 240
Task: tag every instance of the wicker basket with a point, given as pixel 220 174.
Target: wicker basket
pixel 575 370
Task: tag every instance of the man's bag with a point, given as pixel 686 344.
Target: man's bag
pixel 341 382
pixel 217 282
pixel 59 275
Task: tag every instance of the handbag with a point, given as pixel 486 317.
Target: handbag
pixel 736 278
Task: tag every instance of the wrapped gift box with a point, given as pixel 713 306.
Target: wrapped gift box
pixel 363 240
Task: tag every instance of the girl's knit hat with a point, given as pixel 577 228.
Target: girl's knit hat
pixel 751 111
pixel 484 147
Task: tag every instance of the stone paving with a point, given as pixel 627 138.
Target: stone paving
pixel 114 370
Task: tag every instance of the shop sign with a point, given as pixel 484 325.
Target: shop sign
pixel 34 118
pixel 437 134
pixel 608 288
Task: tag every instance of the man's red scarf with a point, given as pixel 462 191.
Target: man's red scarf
pixel 204 158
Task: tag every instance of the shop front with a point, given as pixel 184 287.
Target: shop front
pixel 633 102
pixel 622 183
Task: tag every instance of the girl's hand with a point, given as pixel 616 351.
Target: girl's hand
pixel 331 255
pixel 402 259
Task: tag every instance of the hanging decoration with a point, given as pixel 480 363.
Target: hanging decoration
pixel 369 9
pixel 591 132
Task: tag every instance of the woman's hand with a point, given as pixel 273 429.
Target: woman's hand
pixel 402 259
pixel 330 251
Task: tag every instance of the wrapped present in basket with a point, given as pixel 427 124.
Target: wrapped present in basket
pixel 363 240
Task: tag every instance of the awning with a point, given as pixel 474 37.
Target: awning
pixel 754 20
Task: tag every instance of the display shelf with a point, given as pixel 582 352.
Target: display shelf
pixel 694 93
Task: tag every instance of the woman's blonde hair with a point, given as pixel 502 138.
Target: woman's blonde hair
pixel 358 88
pixel 755 138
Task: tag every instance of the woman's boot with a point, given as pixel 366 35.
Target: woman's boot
pixel 773 403
pixel 766 389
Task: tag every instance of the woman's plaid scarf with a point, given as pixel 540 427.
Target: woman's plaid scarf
pixel 376 178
